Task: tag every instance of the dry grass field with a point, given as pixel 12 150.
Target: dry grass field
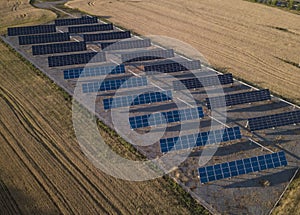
pixel 250 40
pixel 20 12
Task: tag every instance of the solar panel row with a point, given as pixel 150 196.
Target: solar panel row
pixel 90 28
pixel 37 29
pixel 107 85
pixel 147 55
pixel 76 21
pixel 172 67
pixel 145 98
pixel 200 139
pixel 43 38
pixel 107 36
pixel 93 71
pixel 131 44
pixel 194 83
pixel 73 59
pixel 165 117
pixel 271 121
pixel 236 99
pixel 241 167
pixel 58 48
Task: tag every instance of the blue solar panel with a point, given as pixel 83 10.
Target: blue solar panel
pixel 200 139
pixel 58 48
pixel 93 71
pixel 165 117
pixel 236 99
pixel 169 66
pixel 76 21
pixel 194 83
pixel 147 55
pixel 90 28
pixel 37 29
pixel 114 84
pixel 241 167
pixel 43 38
pixel 271 121
pixel 131 44
pixel 145 98
pixel 107 36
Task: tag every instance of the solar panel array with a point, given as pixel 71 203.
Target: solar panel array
pixel 147 55
pixel 271 121
pixel 58 48
pixel 37 29
pixel 194 83
pixel 165 117
pixel 90 28
pixel 82 58
pixel 107 85
pixel 76 21
pixel 241 167
pixel 145 98
pixel 93 71
pixel 43 38
pixel 200 139
pixel 107 36
pixel 237 99
pixel 131 44
pixel 172 67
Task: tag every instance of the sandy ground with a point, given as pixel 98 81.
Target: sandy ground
pixel 237 35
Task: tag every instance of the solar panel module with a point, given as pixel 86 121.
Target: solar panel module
pixel 107 36
pixel 147 55
pixel 276 120
pixel 241 167
pixel 58 48
pixel 37 29
pixel 171 66
pixel 121 45
pixel 90 28
pixel 237 99
pixel 82 58
pixel 76 21
pixel 43 38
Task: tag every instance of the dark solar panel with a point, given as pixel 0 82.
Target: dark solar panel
pixel 199 139
pixel 58 48
pixel 107 85
pixel 37 29
pixel 145 98
pixel 169 67
pixel 43 38
pixel 93 71
pixel 90 28
pixel 165 117
pixel 147 55
pixel 82 58
pixel 237 99
pixel 241 167
pixel 76 21
pixel 121 45
pixel 194 83
pixel 107 36
pixel 271 121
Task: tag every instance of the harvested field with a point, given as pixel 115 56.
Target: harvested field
pixel 251 40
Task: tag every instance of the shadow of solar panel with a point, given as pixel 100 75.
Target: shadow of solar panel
pixel 82 58
pixel 165 117
pixel 107 36
pixel 237 99
pixel 131 44
pixel 90 28
pixel 145 98
pixel 115 84
pixel 194 83
pixel 147 55
pixel 200 139
pixel 241 167
pixel 43 38
pixel 272 121
pixel 163 67
pixel 58 48
pixel 93 71
pixel 76 21
pixel 37 29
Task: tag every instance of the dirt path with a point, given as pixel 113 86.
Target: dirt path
pixel 237 35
